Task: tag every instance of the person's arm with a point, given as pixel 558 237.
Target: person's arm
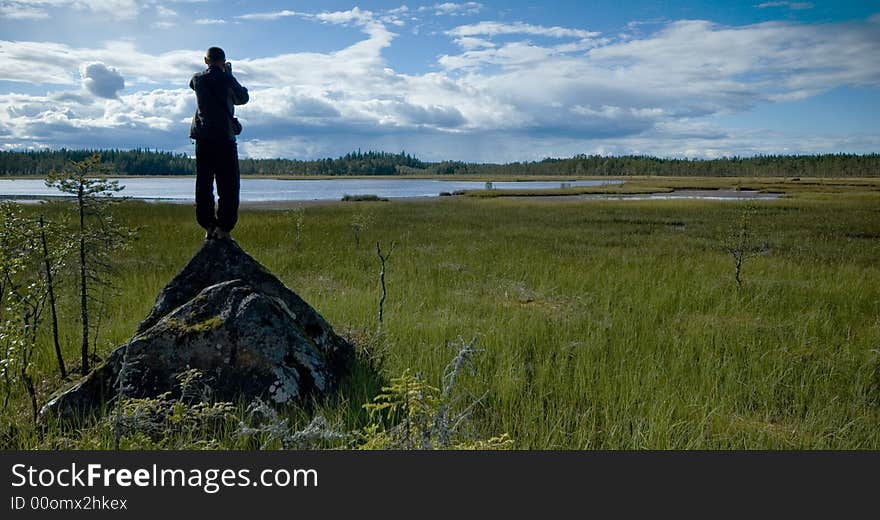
pixel 239 94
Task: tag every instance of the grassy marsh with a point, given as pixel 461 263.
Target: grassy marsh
pixel 606 324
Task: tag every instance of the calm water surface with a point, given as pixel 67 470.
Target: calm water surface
pixel 264 190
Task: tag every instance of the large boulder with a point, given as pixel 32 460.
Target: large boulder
pixel 227 316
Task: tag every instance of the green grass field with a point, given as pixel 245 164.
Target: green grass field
pixel 606 324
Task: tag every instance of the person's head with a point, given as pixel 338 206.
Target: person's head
pixel 215 56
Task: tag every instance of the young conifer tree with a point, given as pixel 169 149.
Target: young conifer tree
pixel 95 236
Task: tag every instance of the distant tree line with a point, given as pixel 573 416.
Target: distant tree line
pixel 137 161
pixel 155 162
pixel 355 163
pixel 827 165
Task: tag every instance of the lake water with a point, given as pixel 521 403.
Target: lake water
pixel 269 190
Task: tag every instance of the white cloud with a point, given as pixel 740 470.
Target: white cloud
pixel 210 21
pixel 55 63
pixel 273 15
pixel 469 43
pixel 353 16
pixel 404 9
pixel 81 98
pixel 283 147
pixel 794 6
pixel 755 62
pixel 475 39
pixel 160 109
pixel 453 8
pixel 41 9
pixel 21 11
pixel 499 28
pixel 121 9
pixel 101 80
pixel 149 118
pixel 165 12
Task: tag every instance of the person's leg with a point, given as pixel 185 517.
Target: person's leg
pixel 205 171
pixel 228 185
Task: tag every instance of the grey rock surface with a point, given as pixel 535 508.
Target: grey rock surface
pixel 227 316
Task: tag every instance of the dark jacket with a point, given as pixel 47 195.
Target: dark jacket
pixel 213 87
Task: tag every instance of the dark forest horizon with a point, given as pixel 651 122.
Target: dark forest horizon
pixel 156 162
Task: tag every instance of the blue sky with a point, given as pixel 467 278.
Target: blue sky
pixel 476 81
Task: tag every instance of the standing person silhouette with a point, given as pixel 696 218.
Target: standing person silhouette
pixel 214 128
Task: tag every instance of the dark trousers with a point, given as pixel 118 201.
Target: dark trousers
pixel 217 160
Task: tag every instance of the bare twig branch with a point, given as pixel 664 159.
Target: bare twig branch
pixel 382 259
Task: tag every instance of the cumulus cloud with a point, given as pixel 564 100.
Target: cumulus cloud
pixel 585 91
pixel 101 80
pixel 73 119
pixel 55 63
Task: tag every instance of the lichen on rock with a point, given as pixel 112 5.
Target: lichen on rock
pixel 228 316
